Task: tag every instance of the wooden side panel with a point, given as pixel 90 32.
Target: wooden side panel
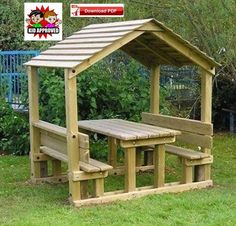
pixel 188 125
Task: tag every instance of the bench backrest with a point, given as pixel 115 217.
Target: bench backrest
pixel 192 131
pixel 55 137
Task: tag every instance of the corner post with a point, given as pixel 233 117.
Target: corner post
pixel 204 172
pixel 34 117
pixel 154 104
pixel 155 90
pixel 72 133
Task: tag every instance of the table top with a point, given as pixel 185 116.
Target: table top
pixel 126 130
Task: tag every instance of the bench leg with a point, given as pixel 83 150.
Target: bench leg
pixel 84 189
pixel 138 157
pixel 148 158
pixel 159 166
pixel 112 152
pixel 200 172
pixel 56 167
pixel 187 174
pixel 130 170
pixel 44 169
pixel 99 187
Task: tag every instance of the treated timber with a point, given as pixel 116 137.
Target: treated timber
pixel 52 63
pixel 155 90
pixel 34 116
pixel 130 173
pixel 106 51
pixel 96 35
pixel 159 165
pixel 72 132
pixel 177 43
pixel 188 125
pixel 111 197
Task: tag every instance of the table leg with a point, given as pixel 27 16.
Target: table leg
pixel 159 165
pixel 130 173
pixel 112 152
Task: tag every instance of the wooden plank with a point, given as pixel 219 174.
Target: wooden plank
pixel 102 166
pixel 159 166
pixel 96 35
pixel 79 46
pixel 33 116
pixel 155 90
pixel 53 153
pixel 62 57
pixel 119 23
pixel 106 51
pixel 53 63
pixel 186 153
pixel 112 152
pixel 145 142
pixel 61 131
pixel 196 139
pixel 81 175
pixel 89 40
pixel 141 193
pixel 38 157
pixel 71 51
pixel 130 175
pixel 72 132
pixel 87 167
pixel 182 47
pixel 182 124
pixel 195 162
pixel 120 170
pixel 109 29
pixel 51 180
pixel 138 158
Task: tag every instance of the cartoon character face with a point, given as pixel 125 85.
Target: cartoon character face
pixel 36 18
pixel 51 19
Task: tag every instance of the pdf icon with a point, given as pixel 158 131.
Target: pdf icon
pixel 97 10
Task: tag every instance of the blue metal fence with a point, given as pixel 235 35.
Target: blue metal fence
pixel 12 74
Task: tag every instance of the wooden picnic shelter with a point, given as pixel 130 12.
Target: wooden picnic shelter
pixel 152 44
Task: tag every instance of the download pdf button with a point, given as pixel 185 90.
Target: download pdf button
pixel 97 10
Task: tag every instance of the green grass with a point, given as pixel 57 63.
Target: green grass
pixel 22 203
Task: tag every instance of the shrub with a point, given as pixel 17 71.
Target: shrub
pixel 14 131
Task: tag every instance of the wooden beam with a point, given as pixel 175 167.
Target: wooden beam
pixel 157 53
pixel 105 52
pixel 155 90
pixel 130 175
pixel 183 124
pixel 72 132
pixel 33 117
pixel 173 41
pixel 168 188
pixel 206 115
pixel 159 166
pixel 112 152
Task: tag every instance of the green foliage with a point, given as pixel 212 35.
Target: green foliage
pixel 14 131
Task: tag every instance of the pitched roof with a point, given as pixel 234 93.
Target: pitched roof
pixel 148 41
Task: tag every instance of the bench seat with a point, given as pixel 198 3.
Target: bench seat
pixel 91 166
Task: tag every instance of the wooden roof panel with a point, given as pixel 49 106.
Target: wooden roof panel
pixel 98 40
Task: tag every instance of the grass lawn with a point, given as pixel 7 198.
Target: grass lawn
pixel 24 204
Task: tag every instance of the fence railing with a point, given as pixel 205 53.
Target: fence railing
pixel 12 74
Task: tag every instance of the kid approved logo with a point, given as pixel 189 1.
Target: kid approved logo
pixel 43 22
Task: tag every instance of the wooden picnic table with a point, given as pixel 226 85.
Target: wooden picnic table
pixel 130 135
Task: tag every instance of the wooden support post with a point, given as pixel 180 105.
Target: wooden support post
pixel 99 187
pixel 38 169
pixel 112 152
pixel 159 165
pixel 138 157
pixel 204 172
pixel 155 90
pixel 187 174
pixel 72 133
pixel 130 171
pixel 84 189
pixel 56 167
